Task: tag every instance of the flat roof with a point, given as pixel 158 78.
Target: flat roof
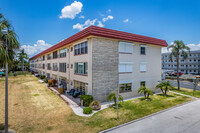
pixel 104 32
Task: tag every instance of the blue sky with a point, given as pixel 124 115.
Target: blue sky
pixel 43 23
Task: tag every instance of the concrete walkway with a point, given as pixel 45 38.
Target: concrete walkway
pixel 78 110
pixel 181 119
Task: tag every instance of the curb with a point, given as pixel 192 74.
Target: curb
pixel 58 95
pixel 183 94
pixel 159 112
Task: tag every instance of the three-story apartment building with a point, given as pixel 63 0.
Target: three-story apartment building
pixel 99 60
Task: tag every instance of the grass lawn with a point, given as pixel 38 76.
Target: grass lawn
pixel 18 73
pixel 34 108
pixel 187 91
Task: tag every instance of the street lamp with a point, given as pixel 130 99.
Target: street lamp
pixel 5 32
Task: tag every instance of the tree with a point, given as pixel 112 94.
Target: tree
pixel 146 91
pixel 178 48
pixel 164 87
pixel 112 97
pixel 12 42
pixel 8 45
pixel 21 56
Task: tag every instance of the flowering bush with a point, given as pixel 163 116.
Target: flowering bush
pixel 50 82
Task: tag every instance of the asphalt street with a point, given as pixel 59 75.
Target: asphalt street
pixel 184 84
pixel 182 119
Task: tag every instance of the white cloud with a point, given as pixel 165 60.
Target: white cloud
pixel 191 46
pixel 100 24
pixel 85 25
pixel 109 10
pixel 72 10
pixel 194 46
pixel 81 16
pixel 107 18
pixel 40 46
pixel 126 21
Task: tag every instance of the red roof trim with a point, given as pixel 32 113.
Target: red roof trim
pixel 104 32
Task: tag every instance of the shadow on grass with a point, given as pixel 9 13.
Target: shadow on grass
pixel 2 126
pixel 165 95
pixel 145 99
pixel 119 106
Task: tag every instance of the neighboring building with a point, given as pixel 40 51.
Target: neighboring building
pixel 97 60
pixel 191 65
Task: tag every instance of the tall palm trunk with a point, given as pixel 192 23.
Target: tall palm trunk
pixel 178 82
pixel 22 65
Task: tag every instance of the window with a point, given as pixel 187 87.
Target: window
pixel 81 86
pixel 55 67
pixel 43 65
pixel 43 57
pixel 81 68
pixel 125 67
pixel 71 48
pixel 126 87
pixel 142 83
pixel 48 56
pixel 125 47
pixel 81 48
pixel 143 67
pixel 63 52
pixel 62 67
pixel 142 49
pixel 55 55
pixel 48 75
pixel 49 66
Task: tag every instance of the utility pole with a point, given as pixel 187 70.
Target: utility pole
pixel 5 32
pixel 117 102
pixel 196 82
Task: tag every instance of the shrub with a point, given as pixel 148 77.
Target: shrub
pixel 95 105
pixel 87 110
pixel 61 90
pixel 45 80
pixel 54 82
pixel 145 91
pixel 87 99
pixel 50 82
pixel 42 76
pixel 112 96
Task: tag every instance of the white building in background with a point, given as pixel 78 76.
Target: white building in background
pixel 191 65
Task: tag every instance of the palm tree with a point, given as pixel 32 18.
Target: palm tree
pixel 8 45
pixel 164 87
pixel 12 42
pixel 178 48
pixel 146 91
pixel 21 56
pixel 112 96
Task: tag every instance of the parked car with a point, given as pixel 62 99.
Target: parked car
pixel 175 74
pixel 179 73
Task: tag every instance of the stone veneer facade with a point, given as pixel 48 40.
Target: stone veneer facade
pixel 105 59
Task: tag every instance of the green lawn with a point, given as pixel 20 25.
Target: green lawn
pixel 34 108
pixel 187 91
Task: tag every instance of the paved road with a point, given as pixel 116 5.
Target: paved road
pixel 184 84
pixel 182 119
